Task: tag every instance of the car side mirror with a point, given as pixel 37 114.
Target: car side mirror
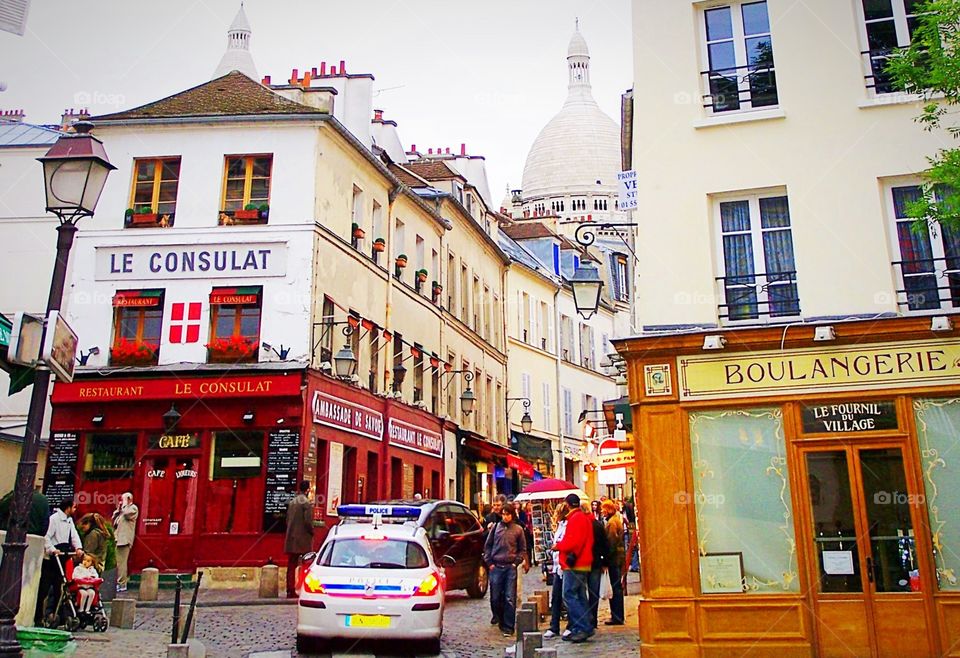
pixel 447 561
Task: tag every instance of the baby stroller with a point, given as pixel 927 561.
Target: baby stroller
pixel 67 611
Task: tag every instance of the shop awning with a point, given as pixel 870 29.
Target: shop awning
pixel 242 295
pixel 487 449
pixel 520 465
pixel 138 298
pixel 619 406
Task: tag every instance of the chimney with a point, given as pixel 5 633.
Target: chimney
pixel 306 79
pixel 294 76
pixel 323 69
pixel 429 151
pixel 333 71
pixel 448 150
pixel 13 116
pixel 378 115
pixel 463 149
pixel 343 67
pixel 71 115
pixel 413 148
pixel 265 81
pixel 313 72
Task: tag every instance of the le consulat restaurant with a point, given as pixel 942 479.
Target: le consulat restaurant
pixel 799 497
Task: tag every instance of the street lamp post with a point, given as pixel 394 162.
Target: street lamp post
pixel 526 422
pixel 75 170
pixel 586 281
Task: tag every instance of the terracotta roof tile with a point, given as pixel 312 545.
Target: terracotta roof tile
pixel 407 178
pixel 433 170
pixel 231 95
pixel 526 230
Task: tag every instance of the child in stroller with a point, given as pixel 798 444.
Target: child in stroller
pixel 79 603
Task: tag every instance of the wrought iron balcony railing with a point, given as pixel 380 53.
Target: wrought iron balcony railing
pixel 758 297
pixel 928 284
pixel 741 87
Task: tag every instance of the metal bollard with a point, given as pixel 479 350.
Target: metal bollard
pixel 175 633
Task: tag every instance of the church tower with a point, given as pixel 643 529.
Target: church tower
pixel 237 57
pixel 578 61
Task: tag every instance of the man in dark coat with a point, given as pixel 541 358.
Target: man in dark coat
pixel 299 539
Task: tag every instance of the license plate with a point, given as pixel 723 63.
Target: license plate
pixel 368 621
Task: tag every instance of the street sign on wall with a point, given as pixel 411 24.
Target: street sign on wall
pixel 627 189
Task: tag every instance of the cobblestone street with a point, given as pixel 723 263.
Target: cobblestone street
pixel 251 630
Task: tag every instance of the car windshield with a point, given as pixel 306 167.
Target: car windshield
pixel 385 553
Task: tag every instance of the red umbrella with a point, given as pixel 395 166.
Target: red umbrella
pixel 549 488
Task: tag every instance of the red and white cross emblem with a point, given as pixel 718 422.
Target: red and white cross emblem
pixel 185 329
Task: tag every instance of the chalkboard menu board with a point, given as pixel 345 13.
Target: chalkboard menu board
pixel 59 482
pixel 283 457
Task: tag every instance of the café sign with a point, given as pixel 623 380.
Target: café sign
pixel 347 416
pixel 844 417
pixel 175 441
pixel 415 438
pixel 811 370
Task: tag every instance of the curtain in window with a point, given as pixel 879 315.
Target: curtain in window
pixel 916 254
pixel 778 256
pixel 739 282
pixel 742 495
pixel 938 433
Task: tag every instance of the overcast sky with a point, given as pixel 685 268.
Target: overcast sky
pixel 489 73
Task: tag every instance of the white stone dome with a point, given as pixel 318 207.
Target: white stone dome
pixel 580 145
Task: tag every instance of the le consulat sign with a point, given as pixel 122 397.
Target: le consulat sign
pixel 812 370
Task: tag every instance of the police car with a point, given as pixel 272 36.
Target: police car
pixel 374 578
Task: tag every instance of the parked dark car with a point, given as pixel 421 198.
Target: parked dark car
pixel 453 530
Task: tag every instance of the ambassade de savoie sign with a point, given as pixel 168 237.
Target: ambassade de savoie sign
pixel 819 369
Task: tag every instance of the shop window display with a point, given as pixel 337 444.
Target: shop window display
pixel 741 495
pixel 938 432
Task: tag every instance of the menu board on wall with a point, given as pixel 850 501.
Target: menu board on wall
pixel 59 482
pixel 283 458
pixel 334 478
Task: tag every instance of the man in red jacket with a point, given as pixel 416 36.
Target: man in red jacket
pixel 576 558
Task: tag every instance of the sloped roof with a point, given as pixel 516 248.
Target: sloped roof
pixel 518 253
pixel 16 133
pixel 527 230
pixel 231 95
pixel 407 177
pixel 434 170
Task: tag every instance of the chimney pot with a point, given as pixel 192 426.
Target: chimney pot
pixel 378 115
pixel 463 149
pixel 429 151
pixel 313 72
pixel 294 76
pixel 343 67
pixel 448 150
pixel 323 69
pixel 306 79
pixel 266 80
pixel 413 148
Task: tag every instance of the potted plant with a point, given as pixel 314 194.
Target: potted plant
pixel 402 261
pixel 437 290
pixel 128 217
pixel 250 212
pixel 234 348
pixel 130 353
pixel 357 232
pixel 143 215
pixel 379 245
pixel 422 276
pixel 264 211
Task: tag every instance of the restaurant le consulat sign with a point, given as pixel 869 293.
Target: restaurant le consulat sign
pixel 812 370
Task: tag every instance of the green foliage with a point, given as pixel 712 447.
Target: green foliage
pixel 251 206
pixel 930 68
pixel 144 210
pixel 128 212
pixel 263 207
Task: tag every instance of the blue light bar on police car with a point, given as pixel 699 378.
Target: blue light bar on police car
pixel 386 511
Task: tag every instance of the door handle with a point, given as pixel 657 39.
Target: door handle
pixel 869 568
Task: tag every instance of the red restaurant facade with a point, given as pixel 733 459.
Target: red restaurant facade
pixel 212 487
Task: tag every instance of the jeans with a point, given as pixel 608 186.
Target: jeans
pixel 593 595
pixel 575 598
pixel 503 595
pixel 556 603
pixel 616 603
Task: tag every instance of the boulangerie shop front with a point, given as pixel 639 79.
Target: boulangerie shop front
pixel 799 498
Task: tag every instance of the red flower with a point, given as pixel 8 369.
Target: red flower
pixel 237 346
pixel 125 350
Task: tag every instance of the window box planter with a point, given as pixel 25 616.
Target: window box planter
pixel 235 349
pixel 246 215
pixel 131 353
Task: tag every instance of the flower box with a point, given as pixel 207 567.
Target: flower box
pixel 131 353
pixel 246 215
pixel 233 349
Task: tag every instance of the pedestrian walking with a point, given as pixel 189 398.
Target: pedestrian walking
pixel 556 595
pixel 299 538
pixel 61 541
pixel 124 531
pixel 598 564
pixel 504 551
pixel 616 560
pixel 576 557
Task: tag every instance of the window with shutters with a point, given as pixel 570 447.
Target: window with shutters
pixel 547 413
pixel 567 412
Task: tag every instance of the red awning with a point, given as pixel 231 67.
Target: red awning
pixel 486 448
pixel 139 298
pixel 242 296
pixel 523 467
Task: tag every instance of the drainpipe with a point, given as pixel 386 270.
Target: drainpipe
pixel 562 470
pixel 385 469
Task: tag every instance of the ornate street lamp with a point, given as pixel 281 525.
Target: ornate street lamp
pixel 526 422
pixel 586 284
pixel 399 373
pixel 171 418
pixel 345 363
pixel 467 401
pixel 75 169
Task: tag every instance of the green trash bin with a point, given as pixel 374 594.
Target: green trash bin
pixel 45 642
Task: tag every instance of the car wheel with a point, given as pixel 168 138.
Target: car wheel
pixel 307 644
pixel 477 588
